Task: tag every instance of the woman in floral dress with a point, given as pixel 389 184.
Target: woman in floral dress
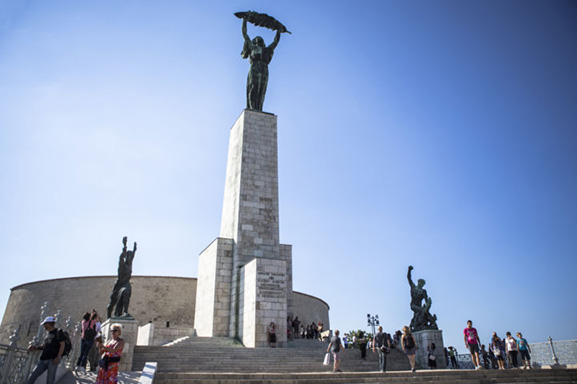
pixel 108 374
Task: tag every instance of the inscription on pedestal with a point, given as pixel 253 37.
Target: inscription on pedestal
pixel 271 285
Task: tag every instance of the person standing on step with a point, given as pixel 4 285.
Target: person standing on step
pixel 383 347
pixel 497 347
pixel 409 346
pixel 87 340
pixel 472 343
pixel 320 331
pixel 272 334
pixel 295 325
pixel 525 350
pixel 112 350
pixel 93 355
pixel 335 348
pixel 511 345
pixel 431 358
pixel 363 345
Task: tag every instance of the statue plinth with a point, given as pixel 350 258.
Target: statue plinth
pixel 245 275
pixel 129 334
pixel 424 340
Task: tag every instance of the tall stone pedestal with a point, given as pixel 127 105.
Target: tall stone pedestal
pixel 245 275
pixel 129 334
pixel 425 339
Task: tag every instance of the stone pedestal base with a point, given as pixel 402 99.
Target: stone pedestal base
pixel 264 301
pixel 129 334
pixel 424 340
pixel 213 290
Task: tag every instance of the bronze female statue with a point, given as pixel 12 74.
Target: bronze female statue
pixel 259 56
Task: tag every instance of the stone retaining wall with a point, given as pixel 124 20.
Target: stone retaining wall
pixel 167 302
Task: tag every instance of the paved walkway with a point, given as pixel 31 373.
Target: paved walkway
pixel 77 377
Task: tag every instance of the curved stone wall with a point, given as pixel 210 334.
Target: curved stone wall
pixel 311 309
pixel 164 301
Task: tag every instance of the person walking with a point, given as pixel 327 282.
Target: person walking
pixel 453 356
pixel 485 356
pixel 512 348
pixel 525 351
pixel 497 348
pixel 472 343
pixel 409 346
pixel 52 350
pixel 382 345
pixel 335 348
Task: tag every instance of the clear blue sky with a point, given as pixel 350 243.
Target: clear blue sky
pixel 439 134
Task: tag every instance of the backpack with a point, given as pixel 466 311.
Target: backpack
pixel 90 332
pixel 67 342
pixel 409 342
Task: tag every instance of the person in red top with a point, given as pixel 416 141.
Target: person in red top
pixel 472 343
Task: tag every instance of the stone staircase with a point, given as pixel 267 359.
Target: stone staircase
pixel 224 355
pixel 425 376
pixel 223 361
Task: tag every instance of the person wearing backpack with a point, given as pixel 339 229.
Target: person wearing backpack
pixel 335 348
pixel 52 352
pixel 409 346
pixel 88 336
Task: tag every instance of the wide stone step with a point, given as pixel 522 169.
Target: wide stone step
pixel 219 358
pixel 436 376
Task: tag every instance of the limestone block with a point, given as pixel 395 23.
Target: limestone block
pixel 265 295
pixel 212 313
pixel 129 334
pixel 424 339
pixel 145 334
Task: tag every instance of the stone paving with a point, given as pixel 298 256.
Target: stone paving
pixel 80 377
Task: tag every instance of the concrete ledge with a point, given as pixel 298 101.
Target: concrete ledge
pixel 148 373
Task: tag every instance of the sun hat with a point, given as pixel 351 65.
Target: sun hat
pixel 49 319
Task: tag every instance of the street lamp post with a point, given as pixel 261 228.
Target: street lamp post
pixel 372 321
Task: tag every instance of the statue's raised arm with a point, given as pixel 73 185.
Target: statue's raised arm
pixel 244 32
pixel 131 255
pixel 409 276
pixel 275 41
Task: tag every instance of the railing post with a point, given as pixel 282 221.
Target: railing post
pixel 40 333
pixel 8 362
pixel 30 360
pixel 69 358
pixel 555 359
pixel 75 344
pixel 57 316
